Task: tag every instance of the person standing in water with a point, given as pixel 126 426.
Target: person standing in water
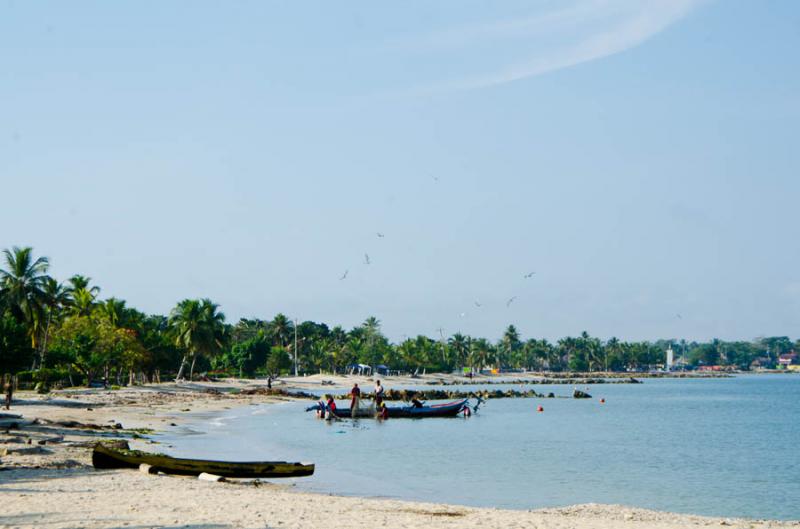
pixel 355 396
pixel 378 394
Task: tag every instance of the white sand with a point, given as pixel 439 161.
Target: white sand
pixel 65 492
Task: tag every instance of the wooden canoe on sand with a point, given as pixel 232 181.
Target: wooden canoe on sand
pixel 105 457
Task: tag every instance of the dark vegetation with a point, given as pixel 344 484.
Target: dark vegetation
pixel 64 333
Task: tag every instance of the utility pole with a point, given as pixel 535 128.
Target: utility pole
pixel 295 347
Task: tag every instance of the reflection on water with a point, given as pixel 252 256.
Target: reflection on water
pixel 723 447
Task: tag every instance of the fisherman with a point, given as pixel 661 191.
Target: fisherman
pixel 355 397
pixel 378 393
pixel 8 388
pixel 331 405
pixel 322 407
pixel 416 402
pixel 383 411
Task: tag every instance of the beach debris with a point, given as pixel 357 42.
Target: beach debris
pixel 25 450
pixel 205 476
pixel 144 468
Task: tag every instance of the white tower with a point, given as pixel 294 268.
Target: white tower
pixel 669 358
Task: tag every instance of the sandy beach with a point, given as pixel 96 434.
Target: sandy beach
pixel 47 479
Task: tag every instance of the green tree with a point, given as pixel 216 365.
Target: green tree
pixel 460 346
pixel 16 353
pixel 82 302
pixel 22 286
pixel 508 347
pixel 199 330
pixel 56 297
pixel 281 328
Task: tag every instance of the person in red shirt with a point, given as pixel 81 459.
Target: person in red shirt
pixel 355 397
pixel 383 411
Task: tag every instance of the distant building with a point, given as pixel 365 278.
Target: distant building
pixel 788 361
pixel 670 358
pixel 762 362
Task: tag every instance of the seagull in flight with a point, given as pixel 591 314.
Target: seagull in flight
pixel 478 304
pixel 344 276
pixel 462 314
pixel 380 235
pixel 529 275
pixel 679 316
pixel 366 258
pixel 510 301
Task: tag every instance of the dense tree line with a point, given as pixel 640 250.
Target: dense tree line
pixel 63 331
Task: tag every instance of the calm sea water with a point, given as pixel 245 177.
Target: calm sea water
pixel 725 447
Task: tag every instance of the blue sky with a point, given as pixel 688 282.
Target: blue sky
pixel 641 157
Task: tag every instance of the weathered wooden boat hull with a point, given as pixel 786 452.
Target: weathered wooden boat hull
pixel 105 457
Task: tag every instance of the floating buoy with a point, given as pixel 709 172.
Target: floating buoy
pixel 540 409
pixel 602 401
pixel 467 411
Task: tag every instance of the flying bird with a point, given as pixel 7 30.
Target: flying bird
pixel 344 276
pixel 679 316
pixel 462 314
pixel 529 275
pixel 478 304
pixel 366 258
pixel 380 235
pixel 510 301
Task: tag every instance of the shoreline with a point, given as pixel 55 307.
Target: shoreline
pixel 50 481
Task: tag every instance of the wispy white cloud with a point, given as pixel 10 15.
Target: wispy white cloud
pixel 550 41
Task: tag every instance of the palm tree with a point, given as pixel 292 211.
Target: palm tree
pixel 508 345
pixel 481 351
pixel 280 328
pixel 79 282
pixel 460 345
pixel 199 329
pixel 113 310
pixel 82 302
pixel 56 297
pixel 22 287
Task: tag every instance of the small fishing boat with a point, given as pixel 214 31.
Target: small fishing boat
pixel 448 409
pixel 105 457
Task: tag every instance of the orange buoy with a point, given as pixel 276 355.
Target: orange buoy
pixel 602 401
pixel 539 408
